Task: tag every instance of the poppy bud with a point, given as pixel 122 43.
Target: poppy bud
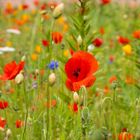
pixel 19 78
pixel 58 10
pixel 75 97
pixel 36 71
pixel 91 48
pixel 79 40
pixel 97 42
pixel 43 12
pixel 52 78
pixel 85 113
pixel 8 133
pixel 23 58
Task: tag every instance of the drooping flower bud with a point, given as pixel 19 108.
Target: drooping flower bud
pixel 75 97
pixel 52 78
pixel 58 11
pixel 91 48
pixel 23 58
pixel 19 78
pixel 79 40
pixel 8 133
pixel 36 71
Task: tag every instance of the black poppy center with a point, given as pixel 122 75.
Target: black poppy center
pixel 76 72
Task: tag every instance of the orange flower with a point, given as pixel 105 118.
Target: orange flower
pixel 42 72
pixel 101 30
pixel 136 34
pixel 106 90
pixel 125 136
pixel 19 22
pixel 34 57
pixel 113 78
pixel 52 103
pixel 9 8
pixel 57 37
pixel 130 80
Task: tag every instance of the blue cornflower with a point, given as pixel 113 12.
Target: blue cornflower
pixel 53 65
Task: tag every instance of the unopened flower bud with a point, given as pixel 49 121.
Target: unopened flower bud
pixel 23 58
pixel 19 78
pixel 75 97
pixel 36 71
pixel 79 40
pixel 85 113
pixel 91 48
pixel 43 12
pixel 58 10
pixel 8 133
pixel 52 78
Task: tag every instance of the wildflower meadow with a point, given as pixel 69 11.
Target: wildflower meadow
pixel 70 70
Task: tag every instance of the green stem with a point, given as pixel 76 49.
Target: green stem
pixel 114 114
pixel 48 88
pixel 26 117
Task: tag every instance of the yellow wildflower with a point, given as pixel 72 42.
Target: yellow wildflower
pixel 38 49
pixel 34 57
pixel 127 49
pixel 66 53
pixel 9 43
pixel 25 17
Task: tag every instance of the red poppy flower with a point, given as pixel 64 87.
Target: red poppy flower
pixel 125 136
pixel 25 6
pixel 57 37
pixel 45 43
pixel 104 2
pixel 75 107
pixel 123 40
pixel 80 69
pixel 19 123
pixel 2 123
pixel 3 104
pixel 112 79
pixel 11 70
pixel 43 6
pixel 71 51
pixel 136 34
pixel 97 42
